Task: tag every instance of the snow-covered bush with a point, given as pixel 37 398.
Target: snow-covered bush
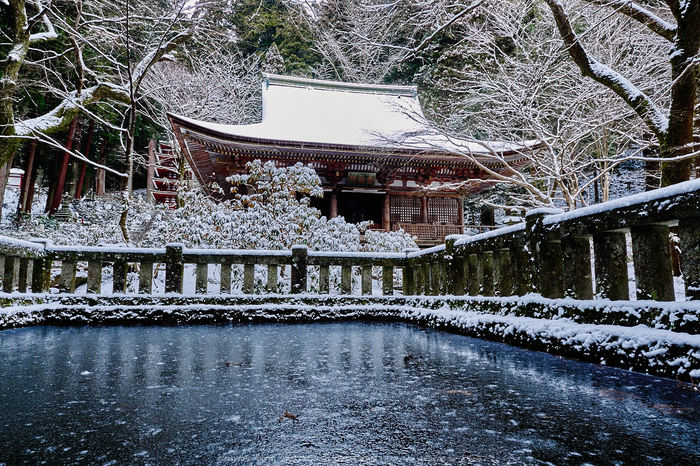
pixel 271 210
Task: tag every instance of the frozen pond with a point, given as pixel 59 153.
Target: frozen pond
pixel 363 393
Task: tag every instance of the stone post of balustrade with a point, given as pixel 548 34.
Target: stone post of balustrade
pixel 578 279
pixel 610 251
pixel 299 268
pixel 653 267
pixel 174 268
pixel 455 268
pixel 689 232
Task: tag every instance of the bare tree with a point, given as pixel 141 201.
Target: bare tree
pixel 672 125
pixel 506 81
pixel 219 87
pixel 86 66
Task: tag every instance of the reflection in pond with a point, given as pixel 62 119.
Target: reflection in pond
pixel 359 393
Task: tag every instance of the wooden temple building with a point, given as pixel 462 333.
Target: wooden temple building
pixel 376 155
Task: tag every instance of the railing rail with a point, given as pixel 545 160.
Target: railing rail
pixel 580 254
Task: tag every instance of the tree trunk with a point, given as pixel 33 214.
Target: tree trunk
pixel 679 140
pixel 30 192
pixel 4 176
pixel 150 186
pixel 86 153
pixel 27 181
pixel 100 176
pixel 63 168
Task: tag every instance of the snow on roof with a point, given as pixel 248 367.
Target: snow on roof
pixel 330 112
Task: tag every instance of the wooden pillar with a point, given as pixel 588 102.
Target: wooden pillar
pixel 424 209
pixel 334 205
pixel 386 213
pixel 63 168
pixel 86 153
pixel 27 180
pixel 460 214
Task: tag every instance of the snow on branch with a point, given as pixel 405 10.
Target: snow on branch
pixel 50 32
pixel 652 115
pixel 155 55
pixel 655 23
pixel 59 118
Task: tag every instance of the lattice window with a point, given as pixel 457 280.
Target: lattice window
pixel 443 210
pixel 405 209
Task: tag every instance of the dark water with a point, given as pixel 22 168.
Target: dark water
pixel 364 394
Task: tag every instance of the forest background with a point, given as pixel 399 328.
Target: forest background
pixel 85 85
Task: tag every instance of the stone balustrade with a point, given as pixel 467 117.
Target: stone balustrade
pixel 580 254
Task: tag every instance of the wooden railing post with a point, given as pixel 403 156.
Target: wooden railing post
pixel 174 268
pixel 299 268
pixel 578 280
pixel 610 250
pixel 689 232
pixel 653 267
